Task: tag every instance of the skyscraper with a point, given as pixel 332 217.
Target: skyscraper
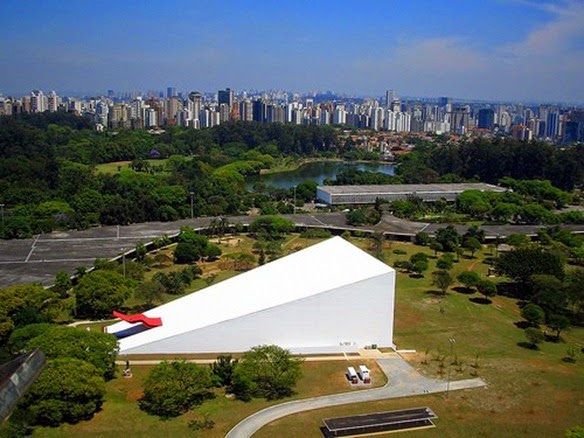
pixel 487 119
pixel 390 96
pixel 226 96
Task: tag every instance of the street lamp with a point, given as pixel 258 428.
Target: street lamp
pixel 192 208
pixel 452 342
pixel 124 261
pixel 2 213
pixel 294 199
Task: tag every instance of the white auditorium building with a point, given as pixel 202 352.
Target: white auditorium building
pixel 328 298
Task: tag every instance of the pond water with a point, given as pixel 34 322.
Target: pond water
pixel 317 171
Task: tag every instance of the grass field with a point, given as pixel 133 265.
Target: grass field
pixel 118 166
pixel 530 392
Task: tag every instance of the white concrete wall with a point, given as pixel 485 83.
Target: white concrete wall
pixel 358 314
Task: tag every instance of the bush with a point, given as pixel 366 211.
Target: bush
pixel 315 233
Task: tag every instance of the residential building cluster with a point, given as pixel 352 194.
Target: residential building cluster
pixel 153 109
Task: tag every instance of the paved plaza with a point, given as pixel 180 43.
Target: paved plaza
pixel 39 259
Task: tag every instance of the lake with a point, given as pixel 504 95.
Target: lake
pixel 317 171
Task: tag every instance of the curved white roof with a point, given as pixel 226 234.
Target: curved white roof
pixel 316 269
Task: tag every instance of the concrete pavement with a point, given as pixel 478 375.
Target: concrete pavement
pixel 40 258
pixel 403 381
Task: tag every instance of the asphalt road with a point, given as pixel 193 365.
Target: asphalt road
pixel 40 258
pixel 403 381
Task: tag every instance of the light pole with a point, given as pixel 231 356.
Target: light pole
pixel 2 213
pixel 452 342
pixel 124 261
pixel 192 205
pixel 294 199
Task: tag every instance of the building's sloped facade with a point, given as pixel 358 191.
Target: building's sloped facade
pixel 330 297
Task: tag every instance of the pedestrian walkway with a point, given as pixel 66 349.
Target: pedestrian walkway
pixel 403 381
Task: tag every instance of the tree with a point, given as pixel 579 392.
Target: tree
pixel 20 337
pixel 533 314
pixel 271 227
pixel 558 323
pixel 487 288
pixel 422 238
pixel 419 267
pixel 474 232
pixel 448 237
pixel 97 348
pixel 172 388
pixel 100 292
pixel 186 252
pixel 67 391
pixel 436 247
pixel 473 245
pixel 150 291
pixel 62 284
pixel 549 293
pixel 356 217
pixel 521 263
pixel 212 252
pixel 445 262
pixel 442 280
pixel 266 371
pixel 469 279
pixel 140 251
pixel 223 369
pixel 517 240
pixel 535 336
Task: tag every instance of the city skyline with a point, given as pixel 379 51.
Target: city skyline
pixel 497 50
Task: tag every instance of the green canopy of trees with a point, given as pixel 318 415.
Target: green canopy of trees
pixel 172 388
pixel 100 292
pixel 67 391
pixel 97 348
pixel 266 371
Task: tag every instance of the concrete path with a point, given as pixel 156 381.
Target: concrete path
pixel 403 381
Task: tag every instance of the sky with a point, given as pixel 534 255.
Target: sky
pixel 501 50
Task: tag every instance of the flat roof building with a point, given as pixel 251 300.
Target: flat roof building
pixel 367 194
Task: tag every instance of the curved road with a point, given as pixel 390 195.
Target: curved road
pixel 403 381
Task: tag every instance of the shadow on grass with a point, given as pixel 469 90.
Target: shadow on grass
pixel 416 276
pixel 478 300
pixel 553 339
pixel 522 324
pixel 435 293
pixel 568 359
pixel 464 290
pixel 488 261
pixel 528 345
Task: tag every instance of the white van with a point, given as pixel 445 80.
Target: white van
pixel 364 374
pixel 352 375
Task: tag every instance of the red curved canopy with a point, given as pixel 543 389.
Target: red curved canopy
pixel 139 317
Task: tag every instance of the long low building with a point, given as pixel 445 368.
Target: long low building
pixel 348 195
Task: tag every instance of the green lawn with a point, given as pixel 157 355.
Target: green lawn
pixel 529 393
pixel 118 166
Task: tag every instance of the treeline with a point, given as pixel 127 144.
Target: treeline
pixel 490 160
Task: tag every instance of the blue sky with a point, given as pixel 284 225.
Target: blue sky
pixel 485 49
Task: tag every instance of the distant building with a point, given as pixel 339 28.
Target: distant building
pixel 487 119
pixel 367 194
pixel 226 96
